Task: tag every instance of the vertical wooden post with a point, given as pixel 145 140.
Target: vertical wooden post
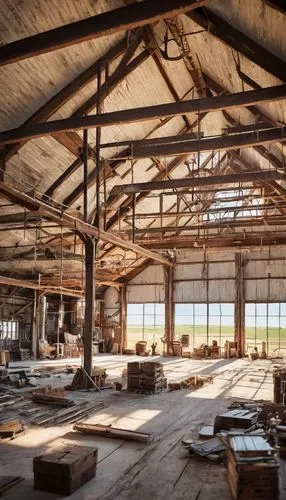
pixel 90 247
pixel 123 318
pixel 169 306
pixel 239 307
pixel 35 324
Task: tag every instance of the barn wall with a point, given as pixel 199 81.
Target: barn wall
pixel 212 281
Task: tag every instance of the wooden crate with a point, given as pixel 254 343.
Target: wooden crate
pixel 64 469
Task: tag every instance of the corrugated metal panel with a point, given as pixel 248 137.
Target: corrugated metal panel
pixel 152 274
pixel 189 256
pixel 256 290
pixel 277 290
pixel 260 269
pixel 221 270
pixel 191 271
pixel 222 291
pixel 190 291
pixel 145 293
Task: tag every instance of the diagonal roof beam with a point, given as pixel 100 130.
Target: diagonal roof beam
pixel 75 224
pixel 235 39
pixel 107 23
pixel 208 104
pixel 68 92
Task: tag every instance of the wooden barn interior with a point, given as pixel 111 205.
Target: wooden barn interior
pixel 142 249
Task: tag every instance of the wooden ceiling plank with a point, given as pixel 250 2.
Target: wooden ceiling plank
pixel 65 94
pixel 237 40
pixel 107 23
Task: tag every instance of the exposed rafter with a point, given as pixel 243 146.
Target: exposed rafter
pixel 108 23
pixel 240 99
pixel 237 40
pixel 75 224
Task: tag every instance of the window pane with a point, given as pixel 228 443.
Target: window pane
pixel 135 320
pixel 227 309
pixel 283 308
pixel 273 321
pixel 184 320
pixel 160 319
pixel 200 309
pixel 261 309
pixel 184 309
pixel 200 320
pixel 250 309
pixel 249 321
pixel 149 308
pixel 261 321
pixel 160 308
pixel 214 309
pixel 135 309
pixel 273 309
pixel 227 321
pixel 149 319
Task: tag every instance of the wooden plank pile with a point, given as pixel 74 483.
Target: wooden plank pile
pixel 51 399
pixel 133 376
pixel 64 469
pixel 238 418
pixel 152 377
pixel 146 377
pixel 50 416
pixel 252 468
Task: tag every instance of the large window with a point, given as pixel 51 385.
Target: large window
pixel 145 322
pixel 9 330
pixel 265 322
pixel 205 323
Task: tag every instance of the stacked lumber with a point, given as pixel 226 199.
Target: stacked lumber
pixel 133 376
pixel 237 418
pixel 152 377
pixel 112 432
pixel 50 399
pixel 252 469
pixel 11 428
pixel 64 469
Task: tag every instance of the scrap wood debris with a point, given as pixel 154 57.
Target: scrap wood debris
pixel 11 428
pixel 78 411
pixel 113 432
pixel 7 482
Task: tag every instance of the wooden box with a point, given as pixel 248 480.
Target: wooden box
pixel 64 469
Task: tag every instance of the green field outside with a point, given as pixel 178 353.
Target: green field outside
pixel 198 335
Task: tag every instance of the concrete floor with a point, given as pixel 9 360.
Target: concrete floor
pixel 130 470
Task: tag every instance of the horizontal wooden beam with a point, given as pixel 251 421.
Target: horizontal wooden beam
pixel 275 220
pixel 107 23
pixel 229 101
pixel 235 240
pixel 191 182
pixel 75 224
pixel 221 143
pixel 237 40
pixel 4 280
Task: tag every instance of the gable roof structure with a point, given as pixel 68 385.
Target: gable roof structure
pixel 190 102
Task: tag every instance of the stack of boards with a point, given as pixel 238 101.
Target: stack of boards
pixel 252 469
pixel 146 377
